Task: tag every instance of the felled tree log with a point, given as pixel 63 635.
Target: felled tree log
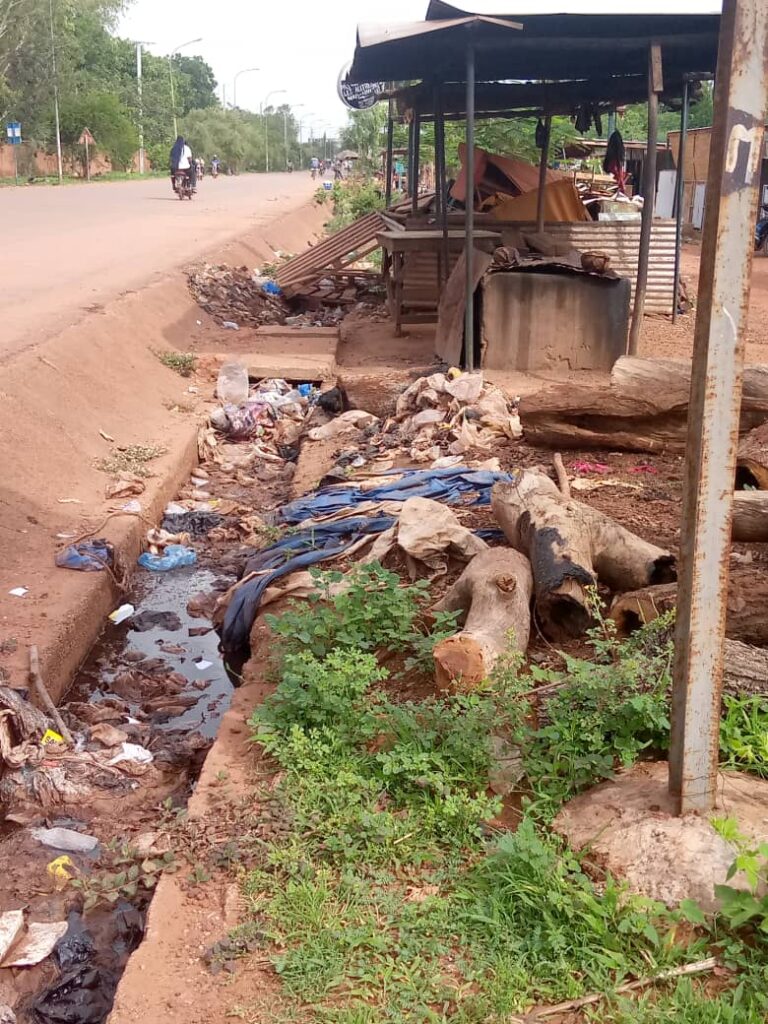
pixel 493 595
pixel 745 669
pixel 747 601
pixel 571 546
pixel 752 464
pixel 750 516
pixel 644 408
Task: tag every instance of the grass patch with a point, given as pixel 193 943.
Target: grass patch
pixel 183 363
pixel 387 894
pixel 134 458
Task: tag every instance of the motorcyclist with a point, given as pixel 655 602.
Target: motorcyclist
pixel 215 165
pixel 182 162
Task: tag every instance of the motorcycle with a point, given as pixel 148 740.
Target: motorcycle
pixel 182 185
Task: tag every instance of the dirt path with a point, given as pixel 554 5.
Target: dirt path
pixel 72 249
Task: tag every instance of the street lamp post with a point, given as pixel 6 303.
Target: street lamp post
pixel 191 42
pixel 56 96
pixel 140 91
pixel 245 71
pixel 265 106
pixel 285 129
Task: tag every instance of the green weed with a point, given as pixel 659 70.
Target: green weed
pixel 184 363
pixel 744 735
pixel 132 458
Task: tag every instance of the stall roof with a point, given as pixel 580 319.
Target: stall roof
pixel 498 99
pixel 438 9
pixel 553 46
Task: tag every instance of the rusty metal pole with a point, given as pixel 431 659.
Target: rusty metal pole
pixel 541 198
pixel 680 192
pixel 741 98
pixel 416 161
pixel 469 320
pixel 655 86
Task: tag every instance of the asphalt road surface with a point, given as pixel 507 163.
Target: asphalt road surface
pixel 66 249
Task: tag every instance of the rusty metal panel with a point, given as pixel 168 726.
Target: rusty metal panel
pixel 338 249
pixel 741 98
pixel 621 240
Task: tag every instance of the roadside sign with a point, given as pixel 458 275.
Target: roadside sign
pixel 86 139
pixel 13 133
pixel 358 95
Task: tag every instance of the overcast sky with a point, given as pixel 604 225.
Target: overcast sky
pixel 301 45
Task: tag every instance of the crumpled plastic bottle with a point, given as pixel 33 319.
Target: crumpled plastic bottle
pixel 175 556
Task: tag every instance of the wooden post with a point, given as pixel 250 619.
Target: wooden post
pixel 680 192
pixel 390 157
pixel 469 321
pixel 543 174
pixel 416 161
pixel 655 86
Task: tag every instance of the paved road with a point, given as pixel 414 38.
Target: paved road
pixel 65 249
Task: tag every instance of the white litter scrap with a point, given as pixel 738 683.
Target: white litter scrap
pixel 11 926
pixel 122 614
pixel 37 944
pixel 19 592
pixel 134 753
pixel 65 839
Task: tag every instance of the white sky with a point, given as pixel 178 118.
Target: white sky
pixel 302 45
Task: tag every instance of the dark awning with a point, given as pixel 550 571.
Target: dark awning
pixel 550 46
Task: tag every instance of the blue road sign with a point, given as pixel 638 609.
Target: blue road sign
pixel 13 133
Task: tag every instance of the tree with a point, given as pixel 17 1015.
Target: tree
pixel 108 121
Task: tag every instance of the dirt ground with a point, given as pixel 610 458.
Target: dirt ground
pixel 675 341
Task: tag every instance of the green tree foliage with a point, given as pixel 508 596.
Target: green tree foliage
pixel 108 121
pixel 238 137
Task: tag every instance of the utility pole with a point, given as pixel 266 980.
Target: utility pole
pixel 140 92
pixel 56 96
pixel 263 109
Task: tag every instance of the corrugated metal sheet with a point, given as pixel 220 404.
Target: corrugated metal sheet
pixel 334 253
pixel 621 240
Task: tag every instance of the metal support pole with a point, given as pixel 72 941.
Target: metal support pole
pixel 416 162
pixel 285 137
pixel 389 162
pixel 469 322
pixel 59 161
pixel 680 192
pixel 441 186
pixel 409 161
pixel 541 198
pixel 741 98
pixel 655 86
pixel 173 99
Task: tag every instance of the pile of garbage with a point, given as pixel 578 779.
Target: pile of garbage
pixel 272 413
pixel 237 296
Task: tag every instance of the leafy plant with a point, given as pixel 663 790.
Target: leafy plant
pixel 373 612
pixel 740 907
pixel 744 734
pixel 134 876
pixel 183 363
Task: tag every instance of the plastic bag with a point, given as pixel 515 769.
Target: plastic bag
pixel 89 556
pixel 232 387
pixel 176 557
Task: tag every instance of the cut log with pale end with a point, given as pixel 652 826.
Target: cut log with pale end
pixel 571 546
pixel 745 669
pixel 643 408
pixel 747 600
pixel 750 516
pixel 493 596
pixel 752 461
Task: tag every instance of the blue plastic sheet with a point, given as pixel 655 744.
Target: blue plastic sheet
pixel 326 540
pixel 89 556
pixel 450 486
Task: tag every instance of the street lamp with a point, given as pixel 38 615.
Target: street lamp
pixel 294 106
pixel 56 96
pixel 173 90
pixel 245 71
pixel 265 106
pixel 140 89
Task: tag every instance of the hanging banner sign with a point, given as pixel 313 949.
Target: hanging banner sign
pixel 358 95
